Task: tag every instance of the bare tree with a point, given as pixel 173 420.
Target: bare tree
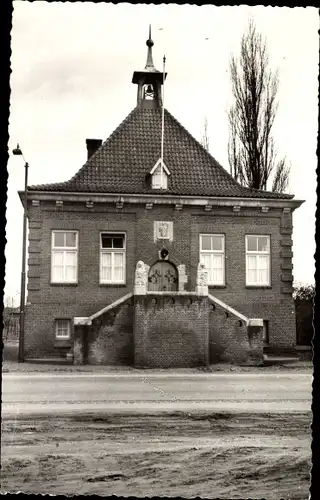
pixel 251 149
pixel 205 137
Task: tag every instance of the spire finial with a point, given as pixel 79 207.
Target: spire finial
pixel 150 44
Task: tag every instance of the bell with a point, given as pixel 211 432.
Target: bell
pixel 149 89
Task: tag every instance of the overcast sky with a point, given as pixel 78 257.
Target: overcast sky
pixel 72 65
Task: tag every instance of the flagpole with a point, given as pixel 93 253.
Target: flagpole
pixel 162 128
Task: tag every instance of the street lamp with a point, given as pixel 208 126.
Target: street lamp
pixel 17 151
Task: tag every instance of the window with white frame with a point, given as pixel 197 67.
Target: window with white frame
pixel 258 260
pixel 64 257
pixel 160 175
pixel 62 328
pixel 212 255
pixel 112 257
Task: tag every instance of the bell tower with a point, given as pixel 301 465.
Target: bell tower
pixel 149 81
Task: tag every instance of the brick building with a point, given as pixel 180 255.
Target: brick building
pixel 156 256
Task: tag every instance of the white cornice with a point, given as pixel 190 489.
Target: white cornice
pixel 162 199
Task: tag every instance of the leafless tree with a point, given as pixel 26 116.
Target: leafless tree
pixel 251 149
pixel 205 137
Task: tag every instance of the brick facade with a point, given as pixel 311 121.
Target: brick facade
pixel 47 302
pixel 118 190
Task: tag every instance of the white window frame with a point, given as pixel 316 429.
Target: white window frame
pixel 212 253
pixel 59 336
pixel 165 175
pixel 65 250
pixel 113 251
pixel 257 254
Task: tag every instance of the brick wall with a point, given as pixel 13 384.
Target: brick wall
pixel 110 338
pixel 231 340
pixel 48 301
pixel 40 341
pixel 170 331
pixel 228 338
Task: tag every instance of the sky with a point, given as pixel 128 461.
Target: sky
pixel 72 65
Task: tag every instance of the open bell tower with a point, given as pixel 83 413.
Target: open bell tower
pixel 149 81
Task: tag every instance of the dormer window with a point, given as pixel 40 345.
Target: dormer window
pixel 159 180
pixel 159 175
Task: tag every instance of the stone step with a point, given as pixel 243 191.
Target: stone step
pixel 279 359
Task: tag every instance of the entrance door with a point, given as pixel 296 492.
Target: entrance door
pixel 162 277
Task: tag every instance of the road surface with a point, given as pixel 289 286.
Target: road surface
pixel 44 393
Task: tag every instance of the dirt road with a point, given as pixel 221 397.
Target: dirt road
pixel 209 455
pixel 241 435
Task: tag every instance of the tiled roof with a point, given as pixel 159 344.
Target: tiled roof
pixel 124 160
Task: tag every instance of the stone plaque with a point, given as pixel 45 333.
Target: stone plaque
pixel 163 230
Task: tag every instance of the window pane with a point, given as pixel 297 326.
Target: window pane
pixel 264 262
pixel 263 245
pixel 118 259
pixel 252 276
pixel 106 259
pixel 62 328
pixel 109 240
pixel 217 275
pixel 58 239
pixel 57 273
pixel 106 267
pixel 217 243
pixel 252 269
pixel 217 262
pixel 118 242
pixel 71 266
pixel 70 258
pixel 57 266
pixel 251 243
pixel 252 262
pixel 118 273
pixel 106 241
pixel 206 260
pixel 71 273
pixel 263 277
pixel 263 266
pixel 70 239
pixel 205 242
pixel 118 267
pixel 106 274
pixel 57 258
pixel 158 180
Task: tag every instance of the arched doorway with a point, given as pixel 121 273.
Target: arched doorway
pixel 162 277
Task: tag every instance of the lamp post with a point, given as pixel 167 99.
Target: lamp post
pixel 17 151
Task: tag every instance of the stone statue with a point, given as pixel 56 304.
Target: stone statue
pixel 163 229
pixel 202 275
pixel 141 275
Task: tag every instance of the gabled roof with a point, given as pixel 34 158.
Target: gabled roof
pixel 123 163
pixel 158 165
